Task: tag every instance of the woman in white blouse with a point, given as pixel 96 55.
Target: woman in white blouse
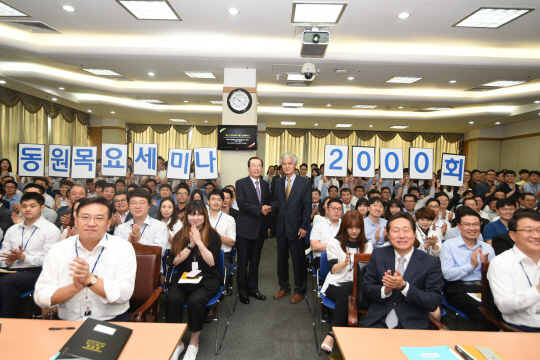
pixel 340 252
pixel 168 213
pixel 425 232
pixel 322 211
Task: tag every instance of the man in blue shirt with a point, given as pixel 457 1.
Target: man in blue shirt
pixel 374 226
pixel 11 193
pixel 532 187
pixel 505 208
pixel 461 261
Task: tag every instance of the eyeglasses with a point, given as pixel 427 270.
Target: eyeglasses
pixel 468 225
pixel 142 203
pixel 529 232
pixel 335 208
pixel 120 201
pixel 87 218
pixel 183 194
pixel 409 201
pixel 10 187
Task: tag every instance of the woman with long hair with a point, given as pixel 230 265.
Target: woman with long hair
pixel 322 211
pixel 195 247
pixel 340 252
pixel 362 206
pixel 392 208
pixel 168 213
pixel 6 169
pixel 196 194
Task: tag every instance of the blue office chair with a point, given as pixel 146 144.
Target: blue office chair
pixel 32 307
pixel 321 274
pixel 453 312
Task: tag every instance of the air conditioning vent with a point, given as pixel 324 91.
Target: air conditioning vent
pixel 299 30
pixel 298 83
pixel 33 26
pixel 483 88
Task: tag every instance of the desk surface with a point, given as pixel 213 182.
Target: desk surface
pixel 383 344
pixel 32 339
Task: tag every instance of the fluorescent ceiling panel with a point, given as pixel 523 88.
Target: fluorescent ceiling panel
pixel 102 72
pixel 435 108
pixel 343 125
pixel 291 104
pixel 216 102
pixel 327 13
pixel 179 120
pixel 151 101
pixel 491 18
pixel 504 83
pixel 299 77
pixel 200 74
pixel 6 10
pixel 364 106
pixel 150 10
pixel 288 123
pixel 403 80
pixel 398 127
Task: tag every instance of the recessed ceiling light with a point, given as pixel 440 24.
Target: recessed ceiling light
pixel 233 11
pixel 400 107
pixel 328 104
pixel 151 74
pixel 61 88
pixel 217 102
pixel 471 122
pixel 497 123
pixel 89 110
pixel 403 15
pixel 68 8
pixel 504 83
pixel 102 72
pixel 6 10
pixel 399 127
pixel 2 81
pixel 340 71
pixel 299 77
pixel 453 81
pixel 200 74
pixel 288 123
pixel 112 112
pixel 205 120
pixel 150 10
pixel 179 120
pixel 291 104
pixel 350 78
pixel 364 106
pixel 186 101
pixel 370 125
pixel 536 102
pixel 492 18
pixel 403 79
pixel 435 108
pixel 328 13
pixel 343 125
pixel 54 99
pixel 316 124
pixel 151 101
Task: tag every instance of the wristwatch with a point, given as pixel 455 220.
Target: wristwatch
pixel 189 246
pixel 403 287
pixel 93 281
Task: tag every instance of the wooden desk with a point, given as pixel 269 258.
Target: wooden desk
pixel 31 339
pixel 383 344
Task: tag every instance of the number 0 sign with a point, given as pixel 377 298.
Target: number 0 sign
pixel 335 160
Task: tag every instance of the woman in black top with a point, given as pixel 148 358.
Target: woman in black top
pixel 195 246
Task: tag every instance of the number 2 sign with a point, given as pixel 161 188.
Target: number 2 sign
pixel 336 160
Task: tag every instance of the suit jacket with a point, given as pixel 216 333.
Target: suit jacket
pixel 5 218
pixel 425 279
pixel 233 212
pixel 250 220
pixel 501 243
pixel 273 186
pixel 294 214
pixel 60 214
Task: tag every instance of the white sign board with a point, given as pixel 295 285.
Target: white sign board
pixel 420 164
pixel 83 164
pixel 452 169
pixel 391 163
pixel 336 160
pixel 363 161
pixel 179 164
pixel 59 160
pixel 31 160
pixel 206 163
pixel 145 162
pixel 114 159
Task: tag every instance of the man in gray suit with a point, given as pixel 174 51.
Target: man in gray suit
pixel 293 204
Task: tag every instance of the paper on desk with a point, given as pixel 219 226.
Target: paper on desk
pixel 427 353
pixel 476 296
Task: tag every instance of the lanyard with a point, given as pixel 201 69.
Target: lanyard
pixel 22 238
pixel 221 214
pixel 99 256
pixel 142 232
pixel 529 280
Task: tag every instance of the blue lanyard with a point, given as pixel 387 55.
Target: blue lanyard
pixel 529 280
pixel 99 256
pixel 142 232
pixel 221 214
pixel 22 238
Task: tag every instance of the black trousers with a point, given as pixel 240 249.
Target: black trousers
pixel 299 264
pixel 524 328
pixel 196 297
pixel 458 298
pixel 249 257
pixel 340 295
pixel 123 317
pixel 11 288
pixel 227 263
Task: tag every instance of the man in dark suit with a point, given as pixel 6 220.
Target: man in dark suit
pixel 293 203
pixel 277 175
pixel 252 221
pixel 404 283
pixel 5 218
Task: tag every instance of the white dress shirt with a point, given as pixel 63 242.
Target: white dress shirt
pixel 123 217
pixel 484 215
pixel 225 225
pixel 323 232
pixel 49 200
pixel 405 264
pixel 420 235
pixel 154 233
pixel 347 208
pixel 37 240
pixel 117 267
pixel 90 195
pixel 517 299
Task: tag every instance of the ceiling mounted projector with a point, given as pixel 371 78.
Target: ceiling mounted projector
pixel 314 43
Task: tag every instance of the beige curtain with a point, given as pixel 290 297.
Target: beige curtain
pixel 169 139
pixel 278 145
pixel 200 140
pixel 68 133
pixel 315 146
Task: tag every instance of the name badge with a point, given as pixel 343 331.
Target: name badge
pixel 195 265
pixel 86 309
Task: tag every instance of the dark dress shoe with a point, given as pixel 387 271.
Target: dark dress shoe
pixel 210 314
pixel 244 299
pixel 281 294
pixel 258 296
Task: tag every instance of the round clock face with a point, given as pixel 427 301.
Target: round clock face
pixel 239 101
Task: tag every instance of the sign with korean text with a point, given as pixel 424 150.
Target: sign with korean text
pixel 83 164
pixel 145 159
pixel 206 163
pixel 59 160
pixel 114 159
pixel 31 160
pixel 452 169
pixel 179 164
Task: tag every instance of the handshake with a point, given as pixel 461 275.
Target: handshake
pixel 266 209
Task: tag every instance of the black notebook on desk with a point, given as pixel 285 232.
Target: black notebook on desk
pixel 96 340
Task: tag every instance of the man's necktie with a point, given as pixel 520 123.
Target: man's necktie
pixel 258 191
pixel 288 190
pixel 391 318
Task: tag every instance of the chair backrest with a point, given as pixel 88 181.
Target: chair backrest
pixel 147 277
pixel 486 291
pixel 221 262
pixel 324 268
pixel 308 235
pixel 360 264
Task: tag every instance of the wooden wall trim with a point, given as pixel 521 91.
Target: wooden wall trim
pixel 228 89
pixel 504 138
pixel 261 131
pixel 113 128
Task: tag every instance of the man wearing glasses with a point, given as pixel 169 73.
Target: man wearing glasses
pixel 374 226
pixel 461 261
pixel 325 230
pixel 440 225
pixel 11 193
pixel 505 208
pixel 182 197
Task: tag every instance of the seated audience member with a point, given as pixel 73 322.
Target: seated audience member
pixel 48 214
pixel 323 231
pixel 120 185
pixel 326 183
pixel 486 188
pixel 121 210
pixel 385 195
pixel 444 201
pixel 513 275
pixel 374 225
pixel 510 189
pixel 62 199
pixel 49 200
pixel 409 203
pixel 152 185
pixel 75 193
pixel 131 187
pixel 333 192
pixel 441 226
pixel 346 197
pixel 527 201
pixel 142 228
pixel 532 186
pixel 461 261
pixel 24 249
pixel 108 192
pixel 505 208
pixel 165 191
pixel 99 185
pixel 479 205
pixel 503 242
pixel 208 187
pixel 359 193
pixel 168 214
pixel 499 177
pixel 182 197
pixel 472 204
pixel 404 293
pixel 92 269
pixel 426 231
pixel 454 232
pixel 323 212
pixel 315 203
pixel 11 196
pixel 392 208
pixel 374 193
pixel 195 243
pixel 491 208
pixel 524 177
pixel 6 220
pixel 196 195
pixel 227 201
pixel 338 284
pixel 4 202
pixel 362 207
pixel 154 209
pixel 91 189
pixel 71 229
pixel 234 205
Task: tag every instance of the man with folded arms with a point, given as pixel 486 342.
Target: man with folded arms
pixel 513 275
pixel 90 274
pixel 25 247
pixel 461 261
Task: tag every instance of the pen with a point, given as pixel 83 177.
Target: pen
pixel 63 328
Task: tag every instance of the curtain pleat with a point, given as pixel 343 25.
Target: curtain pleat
pixel 165 140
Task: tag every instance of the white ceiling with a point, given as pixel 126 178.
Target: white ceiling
pixel 369 41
